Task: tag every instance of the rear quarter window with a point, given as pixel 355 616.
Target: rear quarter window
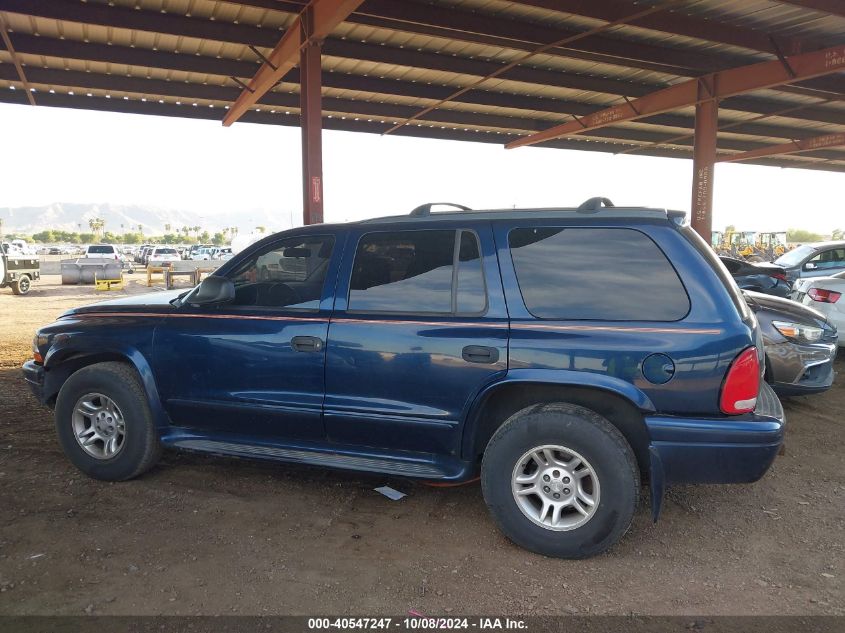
pixel 595 274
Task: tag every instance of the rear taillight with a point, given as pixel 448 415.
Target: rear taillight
pixel 781 276
pixel 742 384
pixel 823 296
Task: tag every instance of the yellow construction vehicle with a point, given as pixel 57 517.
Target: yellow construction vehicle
pixel 772 245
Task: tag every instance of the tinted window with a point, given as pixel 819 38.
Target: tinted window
pixel 289 273
pixel 93 250
pixel 471 294
pixel 831 258
pixel 166 251
pixel 601 274
pixel 418 272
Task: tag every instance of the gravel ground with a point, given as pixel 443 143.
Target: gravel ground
pixel 205 535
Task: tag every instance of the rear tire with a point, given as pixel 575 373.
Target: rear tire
pixel 22 285
pixel 102 403
pixel 566 439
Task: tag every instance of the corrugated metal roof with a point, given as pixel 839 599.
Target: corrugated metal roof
pixel 391 59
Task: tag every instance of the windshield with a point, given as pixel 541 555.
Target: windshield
pixel 166 251
pixel 101 249
pixel 795 257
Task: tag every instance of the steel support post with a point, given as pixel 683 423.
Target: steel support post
pixel 704 159
pixel 311 121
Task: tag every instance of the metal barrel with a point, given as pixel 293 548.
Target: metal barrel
pixel 70 273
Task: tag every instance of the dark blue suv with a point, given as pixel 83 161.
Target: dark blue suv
pixel 564 354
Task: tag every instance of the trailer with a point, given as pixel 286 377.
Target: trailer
pixel 18 271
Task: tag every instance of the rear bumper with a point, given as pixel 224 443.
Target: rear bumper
pixel 33 374
pixel 717 450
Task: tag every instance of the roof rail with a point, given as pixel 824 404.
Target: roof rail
pixel 594 205
pixel 425 209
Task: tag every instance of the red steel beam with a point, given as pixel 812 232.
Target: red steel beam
pixel 310 105
pixel 804 145
pixel 833 7
pixel 523 58
pixel 327 14
pixel 4 34
pixel 725 84
pixel 703 161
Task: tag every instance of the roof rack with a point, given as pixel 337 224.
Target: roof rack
pixel 593 205
pixel 425 209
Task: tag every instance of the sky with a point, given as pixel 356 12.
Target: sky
pixel 62 155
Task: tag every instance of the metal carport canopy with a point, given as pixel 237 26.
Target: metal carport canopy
pixel 482 70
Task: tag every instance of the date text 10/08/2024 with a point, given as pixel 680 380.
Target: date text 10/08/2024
pixel 416 623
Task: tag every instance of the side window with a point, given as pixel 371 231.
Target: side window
pixel 286 274
pixel 598 274
pixel 832 258
pixel 419 272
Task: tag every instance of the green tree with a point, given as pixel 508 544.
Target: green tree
pixel 837 234
pixel 802 235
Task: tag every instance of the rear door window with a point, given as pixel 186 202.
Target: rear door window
pixel 418 272
pixel 595 274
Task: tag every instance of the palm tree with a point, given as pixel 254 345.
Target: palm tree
pixel 97 225
pixel 838 234
pixel 167 228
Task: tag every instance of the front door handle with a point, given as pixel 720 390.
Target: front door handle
pixel 306 344
pixel 480 354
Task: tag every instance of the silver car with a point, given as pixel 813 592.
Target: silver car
pixel 800 344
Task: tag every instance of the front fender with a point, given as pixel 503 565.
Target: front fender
pixel 69 353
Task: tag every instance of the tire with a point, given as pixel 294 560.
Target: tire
pixel 22 285
pixel 138 448
pixel 614 485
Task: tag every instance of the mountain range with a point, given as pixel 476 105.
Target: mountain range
pixel 70 216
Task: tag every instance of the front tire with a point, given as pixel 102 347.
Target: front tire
pixel 104 422
pixel 560 480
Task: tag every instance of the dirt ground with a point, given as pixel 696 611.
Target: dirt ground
pixel 204 535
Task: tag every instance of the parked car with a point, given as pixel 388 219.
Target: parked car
pixel 758 277
pixel 510 344
pixel 102 251
pixel 163 256
pixel 18 270
pixel 825 295
pixel 800 345
pixel 222 254
pixel 813 260
pixel 204 254
pixel 193 248
pixel 139 254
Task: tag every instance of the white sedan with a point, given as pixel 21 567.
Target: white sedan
pixel 825 294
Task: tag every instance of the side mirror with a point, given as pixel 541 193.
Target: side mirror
pixel 213 290
pixel 810 266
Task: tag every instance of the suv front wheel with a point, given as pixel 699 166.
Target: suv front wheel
pixel 560 480
pixel 104 422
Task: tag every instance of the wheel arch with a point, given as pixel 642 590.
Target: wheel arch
pixel 60 364
pixel 500 401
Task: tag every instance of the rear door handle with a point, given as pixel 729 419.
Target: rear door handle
pixel 306 344
pixel 480 354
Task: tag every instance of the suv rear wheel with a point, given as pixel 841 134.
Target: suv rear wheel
pixel 560 480
pixel 104 422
